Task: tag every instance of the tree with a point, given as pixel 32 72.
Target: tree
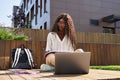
pixel 19 18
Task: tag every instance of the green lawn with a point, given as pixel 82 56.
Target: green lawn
pixel 109 67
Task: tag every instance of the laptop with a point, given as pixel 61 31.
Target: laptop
pixel 72 63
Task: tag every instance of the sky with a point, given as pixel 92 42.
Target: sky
pixel 6 9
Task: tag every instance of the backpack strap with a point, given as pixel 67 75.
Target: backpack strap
pixel 31 58
pixel 16 57
pixel 28 56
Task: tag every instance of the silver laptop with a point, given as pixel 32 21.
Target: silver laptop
pixel 72 63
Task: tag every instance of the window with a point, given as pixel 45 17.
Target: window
pixel 40 8
pixel 108 30
pixel 24 4
pixel 27 4
pixel 36 6
pixel 22 7
pixel 36 11
pixel 29 24
pixel 94 22
pixel 40 27
pixel 27 20
pixel 45 4
pixel 35 19
pixel 45 25
pixel 117 24
pixel 32 12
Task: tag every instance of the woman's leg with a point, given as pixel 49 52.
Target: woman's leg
pixel 50 59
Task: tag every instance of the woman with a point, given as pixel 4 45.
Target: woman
pixel 60 39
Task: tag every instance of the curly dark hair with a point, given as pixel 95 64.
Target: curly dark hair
pixel 69 27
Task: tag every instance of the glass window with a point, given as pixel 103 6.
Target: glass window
pixel 32 12
pixel 45 25
pixel 36 11
pixel 24 4
pixel 94 22
pixel 117 24
pixel 27 4
pixel 36 6
pixel 40 27
pixel 45 4
pixel 108 30
pixel 27 19
pixel 40 8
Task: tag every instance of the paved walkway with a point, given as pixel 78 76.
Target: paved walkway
pixel 37 75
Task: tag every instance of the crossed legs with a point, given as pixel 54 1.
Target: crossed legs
pixel 50 59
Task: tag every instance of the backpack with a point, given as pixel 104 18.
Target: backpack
pixel 22 59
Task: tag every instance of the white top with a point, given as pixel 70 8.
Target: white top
pixel 55 44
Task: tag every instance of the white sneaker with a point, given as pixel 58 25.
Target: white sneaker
pixel 45 67
pixel 79 51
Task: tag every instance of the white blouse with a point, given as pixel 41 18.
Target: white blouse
pixel 55 44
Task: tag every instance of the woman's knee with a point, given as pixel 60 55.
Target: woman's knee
pixel 50 59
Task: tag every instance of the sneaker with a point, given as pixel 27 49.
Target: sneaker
pixel 79 51
pixel 45 67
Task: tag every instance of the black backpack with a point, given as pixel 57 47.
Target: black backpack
pixel 22 58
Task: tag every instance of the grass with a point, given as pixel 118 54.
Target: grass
pixel 109 67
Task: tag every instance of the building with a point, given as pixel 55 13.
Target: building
pixel 88 15
pixel 37 14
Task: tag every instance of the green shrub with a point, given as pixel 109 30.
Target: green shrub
pixel 20 38
pixel 7 34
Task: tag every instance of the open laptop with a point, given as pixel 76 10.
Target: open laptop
pixel 72 63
